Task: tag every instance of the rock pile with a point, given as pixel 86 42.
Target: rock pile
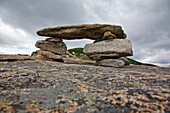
pixel 109 52
pixel 50 49
pixel 108 48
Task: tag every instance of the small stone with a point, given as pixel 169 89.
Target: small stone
pixel 57 48
pixel 108 35
pixel 111 63
pixel 125 60
pixel 54 39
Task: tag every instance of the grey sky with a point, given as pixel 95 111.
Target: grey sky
pixel 146 23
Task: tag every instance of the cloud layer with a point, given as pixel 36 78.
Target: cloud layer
pixel 146 22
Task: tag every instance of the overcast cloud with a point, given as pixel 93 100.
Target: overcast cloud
pixel 146 23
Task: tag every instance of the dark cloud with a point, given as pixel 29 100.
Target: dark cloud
pixel 28 16
pixel 33 14
pixel 146 22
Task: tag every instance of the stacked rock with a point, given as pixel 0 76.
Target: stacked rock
pixel 110 52
pixel 50 49
pixel 108 48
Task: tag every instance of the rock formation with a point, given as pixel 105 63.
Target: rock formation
pixel 46 55
pixel 109 48
pixel 109 52
pixel 88 31
pixel 114 48
pixel 57 48
pixel 50 49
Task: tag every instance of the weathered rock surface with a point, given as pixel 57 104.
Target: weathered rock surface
pixel 50 87
pixel 78 61
pixel 107 36
pixel 58 48
pixel 109 49
pixel 125 60
pixel 8 57
pixel 88 31
pixel 46 55
pixel 111 63
pixel 55 40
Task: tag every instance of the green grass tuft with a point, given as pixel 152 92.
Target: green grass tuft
pixel 78 52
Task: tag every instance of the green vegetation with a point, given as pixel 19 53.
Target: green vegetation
pixel 78 52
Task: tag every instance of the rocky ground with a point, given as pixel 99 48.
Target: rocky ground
pixel 47 86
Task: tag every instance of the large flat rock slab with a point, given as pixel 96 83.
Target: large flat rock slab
pixel 51 87
pixel 16 57
pixel 109 49
pixel 84 31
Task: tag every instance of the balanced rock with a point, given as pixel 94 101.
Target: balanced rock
pixel 88 31
pixel 57 48
pixel 114 48
pixel 46 55
pixel 111 63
